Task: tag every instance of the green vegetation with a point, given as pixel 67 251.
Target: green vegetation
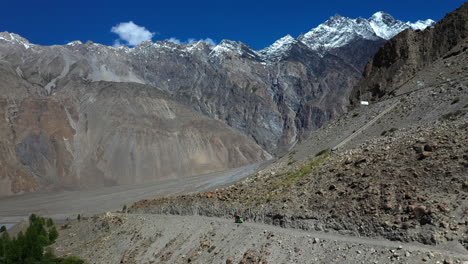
pixel 294 176
pixel 30 247
pixel 3 229
pixel 49 222
pixel 456 100
pixel 355 114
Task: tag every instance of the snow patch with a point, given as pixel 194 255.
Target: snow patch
pixel 277 50
pixel 15 38
pixel 75 43
pixel 421 24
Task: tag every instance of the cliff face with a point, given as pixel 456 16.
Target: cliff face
pixel 401 57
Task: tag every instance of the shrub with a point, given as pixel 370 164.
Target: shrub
pixel 456 100
pixel 3 228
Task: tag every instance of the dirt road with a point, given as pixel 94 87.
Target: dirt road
pixel 148 238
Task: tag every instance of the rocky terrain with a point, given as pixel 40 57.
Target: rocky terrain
pixel 81 115
pixel 142 238
pixel 395 170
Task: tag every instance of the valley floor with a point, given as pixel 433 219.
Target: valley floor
pixel 68 204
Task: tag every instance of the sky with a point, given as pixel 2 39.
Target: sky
pixel 256 23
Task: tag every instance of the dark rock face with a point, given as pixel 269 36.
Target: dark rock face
pixel 401 57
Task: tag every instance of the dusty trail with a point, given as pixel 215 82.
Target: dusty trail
pixel 368 124
pixel 149 238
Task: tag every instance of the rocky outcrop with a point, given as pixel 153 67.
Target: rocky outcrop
pixel 404 55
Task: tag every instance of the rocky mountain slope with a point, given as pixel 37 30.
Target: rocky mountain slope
pixel 275 88
pixel 91 115
pixel 399 59
pixel 402 178
pixel 115 133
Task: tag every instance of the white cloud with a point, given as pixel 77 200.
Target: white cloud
pixel 191 40
pixel 131 33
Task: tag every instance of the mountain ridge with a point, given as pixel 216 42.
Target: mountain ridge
pixel 275 97
pixel 381 24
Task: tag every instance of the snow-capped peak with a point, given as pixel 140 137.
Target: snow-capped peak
pixel 339 31
pixel 15 38
pixel 385 26
pixel 232 47
pixel 278 49
pixel 421 24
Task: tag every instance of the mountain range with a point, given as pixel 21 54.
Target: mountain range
pixel 86 114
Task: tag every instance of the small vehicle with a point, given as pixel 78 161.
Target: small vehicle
pixel 238 219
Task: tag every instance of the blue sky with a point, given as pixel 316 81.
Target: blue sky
pixel 257 23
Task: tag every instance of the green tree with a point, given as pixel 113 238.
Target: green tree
pixel 50 222
pixel 53 234
pixel 28 247
pixel 4 242
pixel 3 228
